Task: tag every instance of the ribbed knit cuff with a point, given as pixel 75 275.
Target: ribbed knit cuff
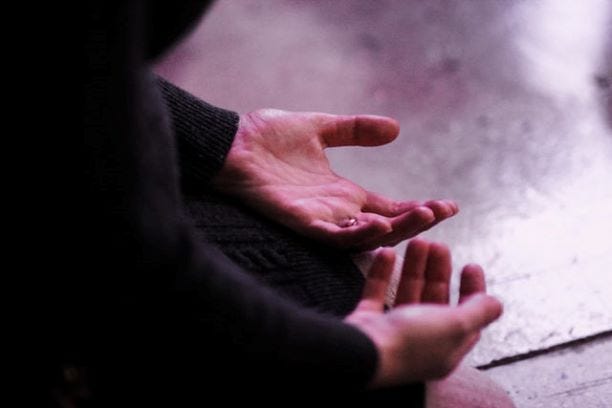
pixel 346 359
pixel 204 133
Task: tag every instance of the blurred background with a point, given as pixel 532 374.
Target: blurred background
pixel 505 106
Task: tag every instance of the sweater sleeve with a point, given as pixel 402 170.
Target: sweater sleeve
pixel 154 313
pixel 203 132
pixel 263 339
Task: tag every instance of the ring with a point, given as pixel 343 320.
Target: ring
pixel 349 222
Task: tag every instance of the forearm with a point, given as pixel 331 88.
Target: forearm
pixel 204 134
pixel 255 336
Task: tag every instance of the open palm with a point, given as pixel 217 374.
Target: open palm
pixel 277 165
pixel 422 337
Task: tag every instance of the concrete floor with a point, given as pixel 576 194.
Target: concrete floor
pixel 504 106
pixel 577 376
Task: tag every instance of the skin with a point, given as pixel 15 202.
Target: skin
pixel 423 337
pixel 466 387
pixel 277 165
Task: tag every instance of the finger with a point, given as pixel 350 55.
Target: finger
pixel 360 130
pixel 472 282
pixel 453 205
pixel 479 311
pixel 372 241
pixel 442 208
pixel 412 281
pixel 437 275
pixel 409 225
pixel 379 204
pixel 367 228
pixel 377 282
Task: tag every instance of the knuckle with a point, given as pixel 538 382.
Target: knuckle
pixel 395 207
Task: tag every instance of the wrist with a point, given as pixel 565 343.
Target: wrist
pixel 380 334
pixel 239 155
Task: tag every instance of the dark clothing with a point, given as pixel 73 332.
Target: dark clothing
pixel 305 271
pixel 139 303
pixel 152 311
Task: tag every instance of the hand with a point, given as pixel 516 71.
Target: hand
pixel 277 165
pixel 422 338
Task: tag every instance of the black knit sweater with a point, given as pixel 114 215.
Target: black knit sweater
pixel 143 286
pixel 139 300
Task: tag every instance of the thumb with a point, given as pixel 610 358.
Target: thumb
pixel 377 282
pixel 359 130
pixel 479 311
